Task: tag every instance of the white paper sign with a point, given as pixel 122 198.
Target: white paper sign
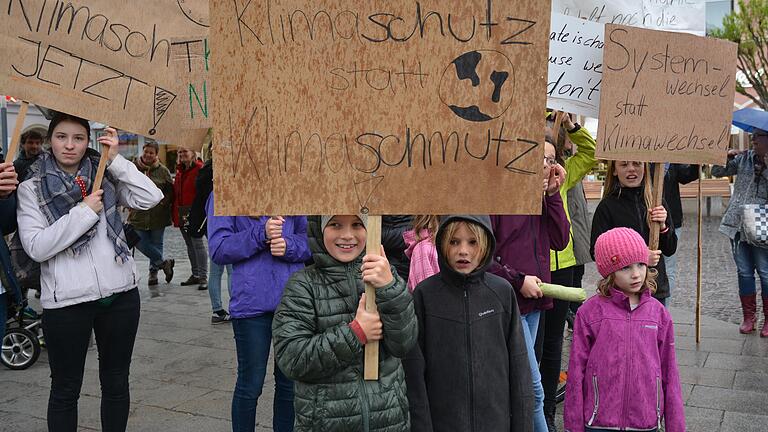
pixel 687 16
pixel 575 65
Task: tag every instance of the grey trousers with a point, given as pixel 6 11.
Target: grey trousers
pixel 198 255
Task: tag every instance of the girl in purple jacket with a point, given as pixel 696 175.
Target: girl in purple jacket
pixel 623 373
pixel 264 252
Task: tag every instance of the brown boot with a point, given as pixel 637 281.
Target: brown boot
pixel 152 280
pixel 764 331
pixel 749 308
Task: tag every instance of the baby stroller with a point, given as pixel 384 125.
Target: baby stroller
pixel 23 339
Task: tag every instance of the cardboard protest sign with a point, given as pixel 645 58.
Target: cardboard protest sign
pixel 105 60
pixel 190 60
pixel 575 65
pixel 687 16
pixel 666 97
pixel 400 107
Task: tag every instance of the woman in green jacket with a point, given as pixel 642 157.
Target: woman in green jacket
pixel 567 266
pixel 321 328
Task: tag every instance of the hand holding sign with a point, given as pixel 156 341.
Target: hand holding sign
pixel 659 215
pixel 108 139
pixel 274 227
pixel 94 201
pixel 110 149
pixel 8 179
pixel 376 270
pixel 370 322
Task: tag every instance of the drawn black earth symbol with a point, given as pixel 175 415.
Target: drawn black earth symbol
pixel 478 86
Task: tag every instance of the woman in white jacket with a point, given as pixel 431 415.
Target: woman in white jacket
pixel 88 275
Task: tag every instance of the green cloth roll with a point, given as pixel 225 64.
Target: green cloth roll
pixel 563 292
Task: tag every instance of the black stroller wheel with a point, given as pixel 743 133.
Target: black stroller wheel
pixel 20 349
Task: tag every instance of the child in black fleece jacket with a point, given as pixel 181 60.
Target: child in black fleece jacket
pixel 469 370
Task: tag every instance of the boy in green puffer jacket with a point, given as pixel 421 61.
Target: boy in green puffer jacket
pixel 321 327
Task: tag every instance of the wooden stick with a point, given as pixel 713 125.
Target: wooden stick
pixel 100 170
pixel 372 246
pixel 658 193
pixel 556 128
pixel 16 137
pixel 698 268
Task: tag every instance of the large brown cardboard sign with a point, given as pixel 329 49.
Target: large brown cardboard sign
pixel 391 107
pixel 105 60
pixel 666 97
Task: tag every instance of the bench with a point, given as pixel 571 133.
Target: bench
pixel 715 187
pixel 593 189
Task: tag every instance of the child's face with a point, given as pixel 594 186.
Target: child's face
pixel 630 279
pixel 463 250
pixel 344 237
pixel 629 173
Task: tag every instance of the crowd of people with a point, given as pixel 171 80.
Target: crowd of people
pixel 468 340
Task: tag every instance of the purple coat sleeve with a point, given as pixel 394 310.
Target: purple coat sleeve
pixel 573 415
pixel 674 412
pixel 227 244
pixel 296 243
pixel 558 227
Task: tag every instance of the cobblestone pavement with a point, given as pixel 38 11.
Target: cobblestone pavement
pixel 184 368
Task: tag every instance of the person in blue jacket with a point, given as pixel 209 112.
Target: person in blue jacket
pixel 9 288
pixel 264 251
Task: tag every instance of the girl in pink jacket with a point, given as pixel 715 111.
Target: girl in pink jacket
pixel 421 249
pixel 622 373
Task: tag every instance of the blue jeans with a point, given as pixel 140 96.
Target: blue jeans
pixel 748 260
pixel 253 339
pixel 530 327
pixel 671 265
pixel 151 245
pixel 214 283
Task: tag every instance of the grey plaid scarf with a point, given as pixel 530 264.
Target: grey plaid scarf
pixel 57 193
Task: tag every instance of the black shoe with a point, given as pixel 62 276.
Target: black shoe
pixel 220 317
pixel 193 280
pixel 203 286
pixel 167 268
pixel 152 279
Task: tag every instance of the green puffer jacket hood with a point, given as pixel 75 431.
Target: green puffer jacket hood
pixel 315 347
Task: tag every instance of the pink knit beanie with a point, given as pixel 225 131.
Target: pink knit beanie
pixel 618 248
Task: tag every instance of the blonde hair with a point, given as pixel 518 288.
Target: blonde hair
pixel 604 285
pixel 428 222
pixel 613 186
pixel 476 230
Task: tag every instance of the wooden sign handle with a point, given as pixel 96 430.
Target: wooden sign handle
pixel 698 263
pixel 372 246
pixel 16 137
pixel 556 128
pixel 658 194
pixel 100 170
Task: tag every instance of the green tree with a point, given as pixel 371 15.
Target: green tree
pixel 749 28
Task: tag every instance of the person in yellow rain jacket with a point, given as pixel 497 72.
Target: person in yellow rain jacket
pixel 567 266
